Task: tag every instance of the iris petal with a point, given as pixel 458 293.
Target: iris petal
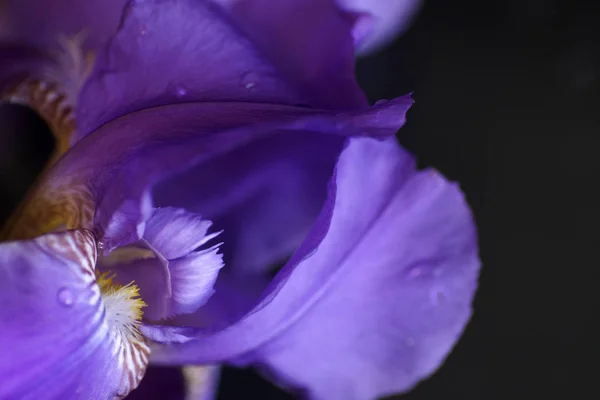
pixel 54 339
pixel 310 42
pixel 173 274
pixel 386 20
pixel 382 286
pixel 196 54
pixel 400 301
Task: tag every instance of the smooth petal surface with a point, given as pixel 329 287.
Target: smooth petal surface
pixel 54 342
pixel 309 41
pixel 380 20
pixel 195 54
pixel 399 304
pixel 264 196
pixel 110 192
pixel 380 291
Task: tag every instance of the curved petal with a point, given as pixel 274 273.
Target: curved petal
pixel 309 41
pixel 109 190
pixel 54 339
pixel 381 289
pixel 173 275
pixel 175 233
pixel 196 54
pixel 264 196
pixel 383 20
pixel 398 309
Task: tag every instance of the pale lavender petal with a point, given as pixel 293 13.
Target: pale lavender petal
pixel 310 41
pixel 173 274
pixel 193 278
pixel 54 338
pixel 381 289
pixel 174 232
pixel 383 20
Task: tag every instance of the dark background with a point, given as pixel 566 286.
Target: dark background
pixel 507 95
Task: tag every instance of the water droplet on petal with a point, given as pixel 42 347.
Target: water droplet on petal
pixel 143 30
pixel 409 342
pixel 180 91
pixel 415 272
pixel 66 297
pixel 249 80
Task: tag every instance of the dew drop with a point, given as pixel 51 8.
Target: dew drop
pixel 249 80
pixel 100 248
pixel 66 297
pixel 143 30
pixel 415 272
pixel 180 91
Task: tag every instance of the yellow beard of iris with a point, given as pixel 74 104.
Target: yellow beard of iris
pixel 123 306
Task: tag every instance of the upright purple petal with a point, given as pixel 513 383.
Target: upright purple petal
pixel 375 297
pixel 311 43
pixel 173 51
pixel 380 20
pixel 55 343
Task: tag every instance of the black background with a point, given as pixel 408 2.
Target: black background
pixel 507 95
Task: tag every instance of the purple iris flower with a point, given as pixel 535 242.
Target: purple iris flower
pixel 198 146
